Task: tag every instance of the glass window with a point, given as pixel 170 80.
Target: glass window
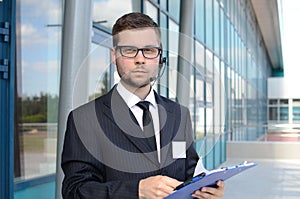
pixel 173 58
pixel 209 64
pixel 273 102
pixel 163 81
pixel 296 102
pixel 163 4
pixel 296 113
pixel 232 47
pixel 284 102
pixel 217 95
pixel 209 23
pixel 223 96
pixel 222 32
pixel 216 27
pixel 99 71
pixel 199 19
pixel 199 91
pixel 273 115
pixel 227 42
pixel 200 56
pixel 105 13
pixel 151 10
pixel 200 122
pixel 284 113
pixel 209 122
pixel 296 109
pixel 37 75
pixel 174 9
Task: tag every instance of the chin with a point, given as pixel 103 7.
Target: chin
pixel 139 84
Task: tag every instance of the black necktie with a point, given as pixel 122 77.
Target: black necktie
pixel 148 126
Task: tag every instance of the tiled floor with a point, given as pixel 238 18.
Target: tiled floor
pixel 270 179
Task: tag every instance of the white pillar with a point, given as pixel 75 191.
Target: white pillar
pixel 76 41
pixel 185 57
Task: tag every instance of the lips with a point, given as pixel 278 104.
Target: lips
pixel 138 71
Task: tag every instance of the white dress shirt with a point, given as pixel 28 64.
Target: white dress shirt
pixel 131 101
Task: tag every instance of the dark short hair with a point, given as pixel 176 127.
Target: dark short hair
pixel 132 21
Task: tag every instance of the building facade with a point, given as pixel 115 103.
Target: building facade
pixel 56 56
pixel 283 109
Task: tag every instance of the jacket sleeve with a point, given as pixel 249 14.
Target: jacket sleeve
pixel 85 176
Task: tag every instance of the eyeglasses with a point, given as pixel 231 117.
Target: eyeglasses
pixel 132 51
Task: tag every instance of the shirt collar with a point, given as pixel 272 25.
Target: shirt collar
pixel 131 99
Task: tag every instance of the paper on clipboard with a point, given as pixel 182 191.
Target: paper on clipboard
pixel 199 168
pixel 209 179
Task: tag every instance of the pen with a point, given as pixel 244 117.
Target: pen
pixel 194 179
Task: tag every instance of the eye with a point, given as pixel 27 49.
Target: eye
pixel 150 50
pixel 129 50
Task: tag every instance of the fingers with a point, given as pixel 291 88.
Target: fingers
pixel 210 192
pixel 165 185
pixel 157 186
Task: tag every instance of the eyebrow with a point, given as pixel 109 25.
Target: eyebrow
pixel 147 46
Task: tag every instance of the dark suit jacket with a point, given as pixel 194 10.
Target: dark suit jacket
pixel 105 154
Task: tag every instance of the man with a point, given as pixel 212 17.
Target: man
pixel 109 151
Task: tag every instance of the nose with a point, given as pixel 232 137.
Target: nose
pixel 139 58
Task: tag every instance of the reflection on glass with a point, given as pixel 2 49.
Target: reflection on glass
pixel 284 113
pixel 216 27
pixel 200 121
pixel 99 71
pixel 209 23
pixel 284 102
pixel 163 4
pixel 199 19
pixel 106 12
pixel 296 113
pixel 173 58
pixel 296 102
pixel 174 9
pixel 151 10
pixel 273 101
pixel 38 68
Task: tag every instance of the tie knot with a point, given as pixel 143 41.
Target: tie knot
pixel 143 105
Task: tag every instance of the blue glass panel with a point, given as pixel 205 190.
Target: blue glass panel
pixel 209 23
pixel 174 9
pixel 284 113
pixel 199 20
pixel 296 113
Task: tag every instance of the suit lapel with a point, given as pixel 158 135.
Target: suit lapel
pixel 118 112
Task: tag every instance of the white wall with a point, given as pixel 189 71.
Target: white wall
pixel 287 88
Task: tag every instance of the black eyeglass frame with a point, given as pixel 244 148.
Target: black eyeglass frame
pixel 140 49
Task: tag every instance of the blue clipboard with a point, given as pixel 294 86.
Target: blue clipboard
pixel 186 189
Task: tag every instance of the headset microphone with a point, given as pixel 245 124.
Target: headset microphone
pixel 153 79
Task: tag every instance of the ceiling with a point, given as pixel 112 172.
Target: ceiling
pixel 269 22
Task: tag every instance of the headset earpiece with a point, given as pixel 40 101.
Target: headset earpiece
pixel 162 61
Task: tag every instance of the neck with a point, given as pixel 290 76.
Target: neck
pixel 142 91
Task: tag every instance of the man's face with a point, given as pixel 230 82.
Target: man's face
pixel 137 71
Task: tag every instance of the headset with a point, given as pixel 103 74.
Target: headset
pixel 162 62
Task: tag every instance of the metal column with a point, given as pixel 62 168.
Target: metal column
pixel 186 42
pixel 77 32
pixel 7 93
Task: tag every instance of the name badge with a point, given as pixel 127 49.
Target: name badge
pixel 179 149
